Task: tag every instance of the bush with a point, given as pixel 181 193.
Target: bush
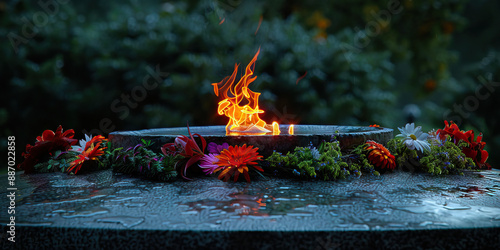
pixel 83 71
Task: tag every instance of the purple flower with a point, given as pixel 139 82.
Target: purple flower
pixel 213 148
pixel 208 163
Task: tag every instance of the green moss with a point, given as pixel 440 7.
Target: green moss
pixel 309 163
pixel 142 161
pixel 357 160
pixel 442 159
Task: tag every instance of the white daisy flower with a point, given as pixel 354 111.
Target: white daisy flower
pixel 83 142
pixel 414 138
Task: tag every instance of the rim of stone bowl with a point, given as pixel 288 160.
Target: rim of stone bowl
pixel 305 135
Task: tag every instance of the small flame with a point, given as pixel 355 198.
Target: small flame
pixel 300 78
pixel 241 104
pixel 276 128
pixel 290 130
pixel 260 22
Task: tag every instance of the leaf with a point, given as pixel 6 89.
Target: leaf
pixel 322 147
pixel 146 143
pixel 190 162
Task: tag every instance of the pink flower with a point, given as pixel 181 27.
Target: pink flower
pixel 209 163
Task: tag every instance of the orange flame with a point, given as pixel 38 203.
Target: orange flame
pixel 300 78
pixel 276 128
pixel 260 22
pixel 290 130
pixel 241 104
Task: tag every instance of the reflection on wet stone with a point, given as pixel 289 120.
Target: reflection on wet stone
pixel 397 201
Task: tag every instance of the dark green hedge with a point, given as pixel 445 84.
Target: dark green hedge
pixel 364 61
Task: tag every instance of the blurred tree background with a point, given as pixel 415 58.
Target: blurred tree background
pixel 120 65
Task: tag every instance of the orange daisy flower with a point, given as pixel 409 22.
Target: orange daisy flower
pixel 235 160
pixel 379 156
pixel 89 154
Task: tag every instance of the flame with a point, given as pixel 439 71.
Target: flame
pixel 290 130
pixel 260 22
pixel 241 104
pixel 300 78
pixel 276 128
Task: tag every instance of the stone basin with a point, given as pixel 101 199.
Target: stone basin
pixel 106 210
pixel 348 136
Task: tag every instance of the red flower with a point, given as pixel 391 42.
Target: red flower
pixel 45 145
pixel 451 129
pixel 475 147
pixel 49 135
pixel 476 151
pixel 379 156
pixel 235 160
pixel 89 154
pixel 186 147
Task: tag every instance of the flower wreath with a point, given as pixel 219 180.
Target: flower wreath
pixel 438 152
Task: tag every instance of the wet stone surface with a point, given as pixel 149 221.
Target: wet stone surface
pixel 398 201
